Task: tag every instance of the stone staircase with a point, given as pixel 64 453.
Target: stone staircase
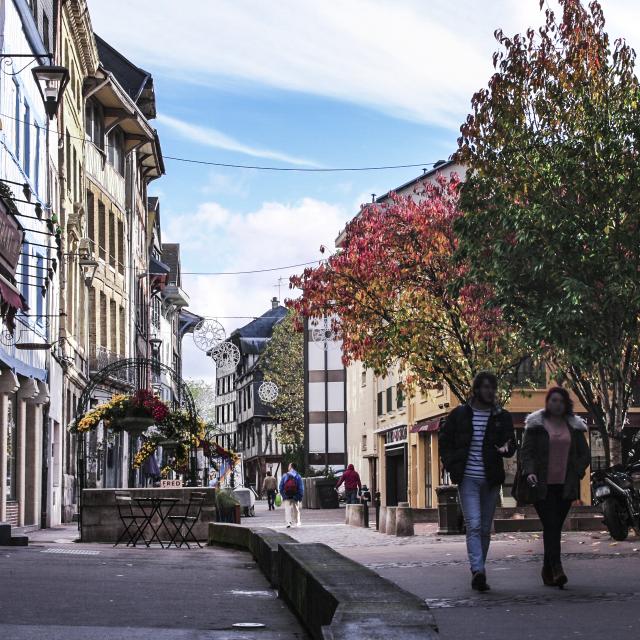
pixel 7 539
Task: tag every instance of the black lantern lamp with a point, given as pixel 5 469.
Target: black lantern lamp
pixel 51 81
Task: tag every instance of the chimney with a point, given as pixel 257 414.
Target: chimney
pixel 275 303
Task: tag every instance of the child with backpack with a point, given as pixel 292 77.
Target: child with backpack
pixel 292 490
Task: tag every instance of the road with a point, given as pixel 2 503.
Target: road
pixel 57 590
pixel 601 600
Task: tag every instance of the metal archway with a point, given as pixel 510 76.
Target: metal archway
pixel 129 376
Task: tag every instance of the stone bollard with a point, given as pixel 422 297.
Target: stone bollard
pixel 382 527
pixel 347 514
pixel 355 515
pixel 404 520
pixel 391 521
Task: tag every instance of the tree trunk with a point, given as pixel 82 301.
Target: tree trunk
pixel 615 447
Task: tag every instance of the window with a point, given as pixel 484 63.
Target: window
pixel 389 399
pixel 94 123
pixel 76 175
pixel 40 279
pixel 363 378
pixel 103 320
pixel 530 374
pixel 364 442
pixel 112 238
pixel 37 160
pixel 90 215
pixel 17 116
pixel 249 397
pixel 26 127
pixel 120 247
pixel 69 168
pixel 45 31
pixel 102 230
pixel 399 396
pixel 380 408
pixel 115 150
pixel 26 259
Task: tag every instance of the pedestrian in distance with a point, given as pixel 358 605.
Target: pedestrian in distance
pixel 352 484
pixel 553 459
pixel 270 488
pixel 473 441
pixel 292 490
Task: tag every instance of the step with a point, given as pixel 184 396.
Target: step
pixel 19 541
pixel 5 534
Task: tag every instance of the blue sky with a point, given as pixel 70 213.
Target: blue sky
pixel 300 83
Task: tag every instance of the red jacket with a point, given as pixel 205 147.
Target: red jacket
pixel 351 479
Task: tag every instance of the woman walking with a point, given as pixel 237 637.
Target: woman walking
pixel 554 458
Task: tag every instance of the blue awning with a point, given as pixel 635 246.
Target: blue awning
pixel 22 368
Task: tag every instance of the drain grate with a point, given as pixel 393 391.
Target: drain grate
pixel 72 552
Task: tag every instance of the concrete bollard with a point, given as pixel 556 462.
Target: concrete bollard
pixel 355 515
pixel 347 514
pixel 404 520
pixel 382 526
pixel 391 521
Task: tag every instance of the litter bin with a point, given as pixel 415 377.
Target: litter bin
pixel 450 518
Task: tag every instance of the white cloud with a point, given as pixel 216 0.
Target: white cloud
pixel 213 138
pixel 412 58
pixel 275 234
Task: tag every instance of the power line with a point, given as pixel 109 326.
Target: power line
pixel 258 167
pixel 237 273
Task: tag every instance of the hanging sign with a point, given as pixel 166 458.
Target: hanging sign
pixel 10 241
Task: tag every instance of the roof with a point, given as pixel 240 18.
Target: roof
pixel 437 168
pixel 171 257
pixel 262 327
pixel 137 82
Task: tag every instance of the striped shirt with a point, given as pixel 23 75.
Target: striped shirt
pixel 475 462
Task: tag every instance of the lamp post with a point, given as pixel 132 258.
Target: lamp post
pixel 51 81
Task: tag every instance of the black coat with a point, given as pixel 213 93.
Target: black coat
pixel 534 459
pixel 455 440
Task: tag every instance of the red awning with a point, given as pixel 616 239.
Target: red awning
pixel 432 424
pixel 11 295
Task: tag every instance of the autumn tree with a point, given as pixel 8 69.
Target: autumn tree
pixel 204 397
pixel 552 199
pixel 282 362
pixel 398 297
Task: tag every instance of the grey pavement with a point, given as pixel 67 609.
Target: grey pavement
pixel 600 601
pixel 59 590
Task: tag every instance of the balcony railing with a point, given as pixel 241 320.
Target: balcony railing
pixel 101 357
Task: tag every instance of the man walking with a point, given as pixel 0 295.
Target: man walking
pixel 292 490
pixel 476 436
pixel 269 488
pixel 352 484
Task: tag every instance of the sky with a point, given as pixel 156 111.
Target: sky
pixel 300 84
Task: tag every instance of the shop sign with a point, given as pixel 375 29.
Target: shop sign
pixel 397 434
pixel 170 484
pixel 10 241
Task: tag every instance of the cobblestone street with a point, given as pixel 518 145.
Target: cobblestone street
pixel 601 573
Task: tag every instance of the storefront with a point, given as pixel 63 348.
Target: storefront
pixel 394 472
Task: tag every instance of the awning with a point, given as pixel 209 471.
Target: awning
pixel 157 267
pixel 423 426
pixel 22 368
pixel 11 295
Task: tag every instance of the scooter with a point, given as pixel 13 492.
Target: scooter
pixel 614 490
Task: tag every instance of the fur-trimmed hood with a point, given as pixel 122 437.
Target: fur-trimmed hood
pixel 536 419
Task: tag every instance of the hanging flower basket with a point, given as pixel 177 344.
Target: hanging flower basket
pixel 133 424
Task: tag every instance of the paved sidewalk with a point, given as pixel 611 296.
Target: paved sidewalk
pixel 600 602
pixel 58 590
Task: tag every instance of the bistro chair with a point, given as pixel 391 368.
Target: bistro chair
pixel 184 524
pixel 134 522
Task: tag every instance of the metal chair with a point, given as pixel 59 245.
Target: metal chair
pixel 188 520
pixel 131 520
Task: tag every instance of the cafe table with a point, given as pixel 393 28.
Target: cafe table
pixel 155 507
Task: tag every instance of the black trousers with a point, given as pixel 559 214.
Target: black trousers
pixel 271 499
pixel 552 511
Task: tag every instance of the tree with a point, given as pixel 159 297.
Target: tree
pixel 552 202
pixel 204 397
pixel 282 362
pixel 397 296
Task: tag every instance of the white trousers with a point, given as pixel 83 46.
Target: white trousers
pixel 292 513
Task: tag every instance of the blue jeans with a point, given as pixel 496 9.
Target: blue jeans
pixel 352 496
pixel 478 499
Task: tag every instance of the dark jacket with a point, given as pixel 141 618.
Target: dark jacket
pixel 455 441
pixel 351 479
pixel 534 458
pixel 299 485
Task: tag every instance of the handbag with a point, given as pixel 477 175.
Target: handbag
pixel 278 501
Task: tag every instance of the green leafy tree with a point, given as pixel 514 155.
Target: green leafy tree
pixel 282 362
pixel 204 396
pixel 553 202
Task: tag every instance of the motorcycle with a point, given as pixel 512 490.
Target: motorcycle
pixel 614 490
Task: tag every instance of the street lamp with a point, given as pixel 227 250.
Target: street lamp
pixel 51 81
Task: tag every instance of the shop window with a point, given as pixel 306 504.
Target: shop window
pixel 389 399
pixel 380 408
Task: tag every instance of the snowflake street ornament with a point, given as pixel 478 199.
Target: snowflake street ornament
pixel 322 333
pixel 268 392
pixel 226 356
pixel 208 334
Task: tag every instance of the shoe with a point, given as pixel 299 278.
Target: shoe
pixel 288 526
pixel 479 581
pixel 559 576
pixel 547 576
